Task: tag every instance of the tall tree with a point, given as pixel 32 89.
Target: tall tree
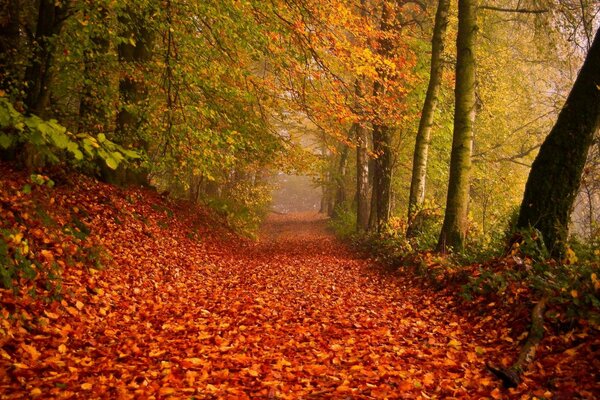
pixel 455 219
pixel 382 174
pixel 555 175
pixel 419 170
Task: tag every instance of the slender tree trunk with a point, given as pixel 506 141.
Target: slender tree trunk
pixel 132 88
pixel 555 175
pixel 362 157
pixel 455 220
pixel 419 171
pixel 362 178
pixel 340 179
pixel 134 95
pixel 93 104
pixel 51 16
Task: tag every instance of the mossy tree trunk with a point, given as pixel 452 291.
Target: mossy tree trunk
pixel 455 219
pixel 419 170
pixel 382 174
pixel 555 175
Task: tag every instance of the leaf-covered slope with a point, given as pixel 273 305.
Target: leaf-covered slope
pixel 184 309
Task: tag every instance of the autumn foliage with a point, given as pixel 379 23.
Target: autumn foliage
pixel 136 296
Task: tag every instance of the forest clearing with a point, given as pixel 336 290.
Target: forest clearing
pixel 300 199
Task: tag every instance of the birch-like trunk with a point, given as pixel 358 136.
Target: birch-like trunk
pixel 419 171
pixel 455 220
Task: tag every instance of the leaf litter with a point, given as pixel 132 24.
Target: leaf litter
pixel 180 307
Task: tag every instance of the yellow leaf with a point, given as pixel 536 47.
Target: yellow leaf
pixel 35 392
pixel 166 391
pixel 86 386
pixel 336 347
pixel 32 351
pixel 62 349
pixel 195 361
pixel 50 315
pixel 574 293
pixel 454 343
pixel 79 305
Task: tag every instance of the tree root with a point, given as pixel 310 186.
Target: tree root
pixel 511 377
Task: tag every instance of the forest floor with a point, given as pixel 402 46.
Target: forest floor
pixel 179 307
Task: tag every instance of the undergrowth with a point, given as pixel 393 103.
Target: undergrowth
pixel 489 267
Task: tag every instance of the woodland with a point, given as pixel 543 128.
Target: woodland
pixel 455 144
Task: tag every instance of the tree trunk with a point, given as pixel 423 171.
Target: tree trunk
pixel 362 178
pixel 555 175
pixel 383 174
pixel 51 16
pixel 340 179
pixel 93 104
pixel 455 220
pixel 380 199
pixel 134 95
pixel 362 156
pixel 419 171
pixel 9 45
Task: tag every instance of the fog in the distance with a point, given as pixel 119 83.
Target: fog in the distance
pixel 295 193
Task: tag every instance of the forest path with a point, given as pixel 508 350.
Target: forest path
pixel 299 315
pixel 294 315
pixel 178 307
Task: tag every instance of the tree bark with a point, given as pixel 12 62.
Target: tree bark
pixel 383 174
pixel 340 179
pixel 555 175
pixel 419 171
pixel 455 220
pixel 51 16
pixel 380 198
pixel 362 178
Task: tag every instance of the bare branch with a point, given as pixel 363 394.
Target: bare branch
pixel 513 10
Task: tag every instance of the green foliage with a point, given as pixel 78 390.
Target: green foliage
pixel 14 259
pixel 343 222
pixel 390 246
pixel 53 141
pixel 244 206
pixel 427 225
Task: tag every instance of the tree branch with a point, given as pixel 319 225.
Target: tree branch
pixel 513 10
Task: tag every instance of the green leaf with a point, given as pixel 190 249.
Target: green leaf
pixel 101 137
pixel 60 139
pixel 111 163
pixel 26 189
pixel 5 140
